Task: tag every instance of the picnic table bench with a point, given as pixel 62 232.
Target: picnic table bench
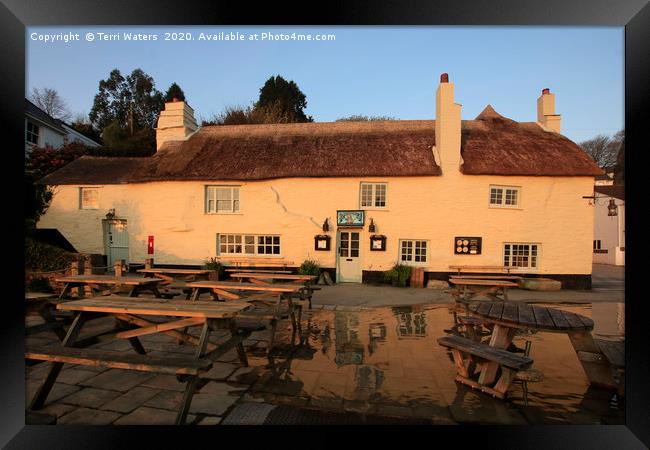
pixel 490 269
pixel 239 269
pixel 255 262
pixel 129 311
pixel 468 288
pixel 138 284
pixel 266 279
pixel 508 317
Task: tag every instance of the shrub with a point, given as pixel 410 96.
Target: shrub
pixel 39 285
pixel 398 275
pixel 213 264
pixel 309 267
pixel 45 257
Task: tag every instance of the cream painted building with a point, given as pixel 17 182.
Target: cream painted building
pixel 430 193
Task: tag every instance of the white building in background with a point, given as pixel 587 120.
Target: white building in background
pixel 609 229
pixel 43 130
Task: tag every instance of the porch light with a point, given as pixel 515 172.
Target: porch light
pixel 371 227
pixel 110 214
pixel 612 209
pixel 326 226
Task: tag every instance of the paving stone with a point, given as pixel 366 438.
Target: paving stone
pixel 221 388
pixel 131 400
pixel 90 397
pixel 230 356
pixel 59 391
pixel 86 416
pixel 151 416
pixel 166 382
pixel 212 404
pixel 117 380
pixel 166 400
pixel 58 409
pixel 210 420
pixel 219 371
pixel 244 375
pixel 75 375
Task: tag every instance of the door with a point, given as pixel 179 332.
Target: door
pixel 116 241
pixel 349 257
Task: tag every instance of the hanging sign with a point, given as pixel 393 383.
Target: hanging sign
pixel 350 218
pixel 467 245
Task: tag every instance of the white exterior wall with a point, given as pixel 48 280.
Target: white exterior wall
pixel 610 230
pixel 552 214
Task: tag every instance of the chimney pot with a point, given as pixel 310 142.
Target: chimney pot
pixel 546 91
pixel 174 99
pixel 444 78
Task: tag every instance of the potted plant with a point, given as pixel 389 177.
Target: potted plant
pixel 309 267
pixel 215 267
pixel 398 275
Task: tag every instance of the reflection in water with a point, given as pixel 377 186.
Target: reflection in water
pixel 388 359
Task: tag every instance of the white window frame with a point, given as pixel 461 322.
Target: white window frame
pixel 31 133
pixel 530 256
pixel 373 193
pixel 245 240
pixel 502 203
pixel 211 195
pixel 82 205
pixel 415 243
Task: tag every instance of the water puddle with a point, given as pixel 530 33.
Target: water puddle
pixel 386 361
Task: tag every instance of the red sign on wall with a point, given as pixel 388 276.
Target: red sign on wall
pixel 150 246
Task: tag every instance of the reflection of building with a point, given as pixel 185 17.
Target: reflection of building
pixel 410 323
pixel 376 333
pixel 368 379
pixel 349 349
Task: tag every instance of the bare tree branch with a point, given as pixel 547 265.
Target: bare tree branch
pixel 50 101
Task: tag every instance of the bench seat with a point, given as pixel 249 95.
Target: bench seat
pixel 483 351
pixel 103 358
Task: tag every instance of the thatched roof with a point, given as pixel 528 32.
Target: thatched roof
pixel 495 145
pixel 491 144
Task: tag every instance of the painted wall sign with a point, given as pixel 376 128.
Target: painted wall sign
pixel 350 218
pixel 467 245
pixel 150 245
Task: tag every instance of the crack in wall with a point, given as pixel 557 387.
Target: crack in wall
pixel 279 202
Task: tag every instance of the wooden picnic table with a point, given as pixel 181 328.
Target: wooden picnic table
pixel 508 317
pixel 485 277
pixel 231 290
pixel 128 312
pixel 469 268
pixel 138 284
pixel 467 289
pixel 168 274
pixel 267 279
pixel 240 269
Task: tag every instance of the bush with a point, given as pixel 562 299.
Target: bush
pixel 309 267
pixel 398 275
pixel 45 257
pixel 39 285
pixel 213 264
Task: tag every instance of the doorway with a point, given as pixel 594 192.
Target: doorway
pixel 116 240
pixel 348 261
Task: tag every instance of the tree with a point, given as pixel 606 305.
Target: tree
pixel 132 104
pixel 83 126
pixel 284 99
pixel 174 91
pixel 362 118
pixel 604 149
pixel 619 172
pixel 50 101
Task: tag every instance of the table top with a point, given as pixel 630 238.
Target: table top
pixel 272 276
pixel 241 269
pixel 485 277
pixel 523 315
pixel 177 271
pixel 480 282
pixel 459 267
pixel 234 285
pixel 39 295
pixel 156 307
pixel 107 279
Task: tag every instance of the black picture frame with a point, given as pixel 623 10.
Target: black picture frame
pixel 374 239
pixel 468 245
pixel 320 239
pixel 633 14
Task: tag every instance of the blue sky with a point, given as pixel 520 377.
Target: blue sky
pixel 388 71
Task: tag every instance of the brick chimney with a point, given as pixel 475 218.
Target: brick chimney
pixel 546 111
pixel 447 147
pixel 175 123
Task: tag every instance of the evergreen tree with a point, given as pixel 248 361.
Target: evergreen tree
pixel 174 91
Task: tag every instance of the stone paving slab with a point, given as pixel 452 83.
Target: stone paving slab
pixel 220 371
pixel 86 416
pixel 75 375
pixel 130 400
pixel 170 400
pixel 59 391
pixel 165 382
pixel 151 416
pixel 90 397
pixel 118 379
pixel 212 404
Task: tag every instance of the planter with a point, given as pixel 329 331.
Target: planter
pixel 213 275
pixel 539 284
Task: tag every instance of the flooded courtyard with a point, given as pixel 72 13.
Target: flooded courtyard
pixel 351 364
